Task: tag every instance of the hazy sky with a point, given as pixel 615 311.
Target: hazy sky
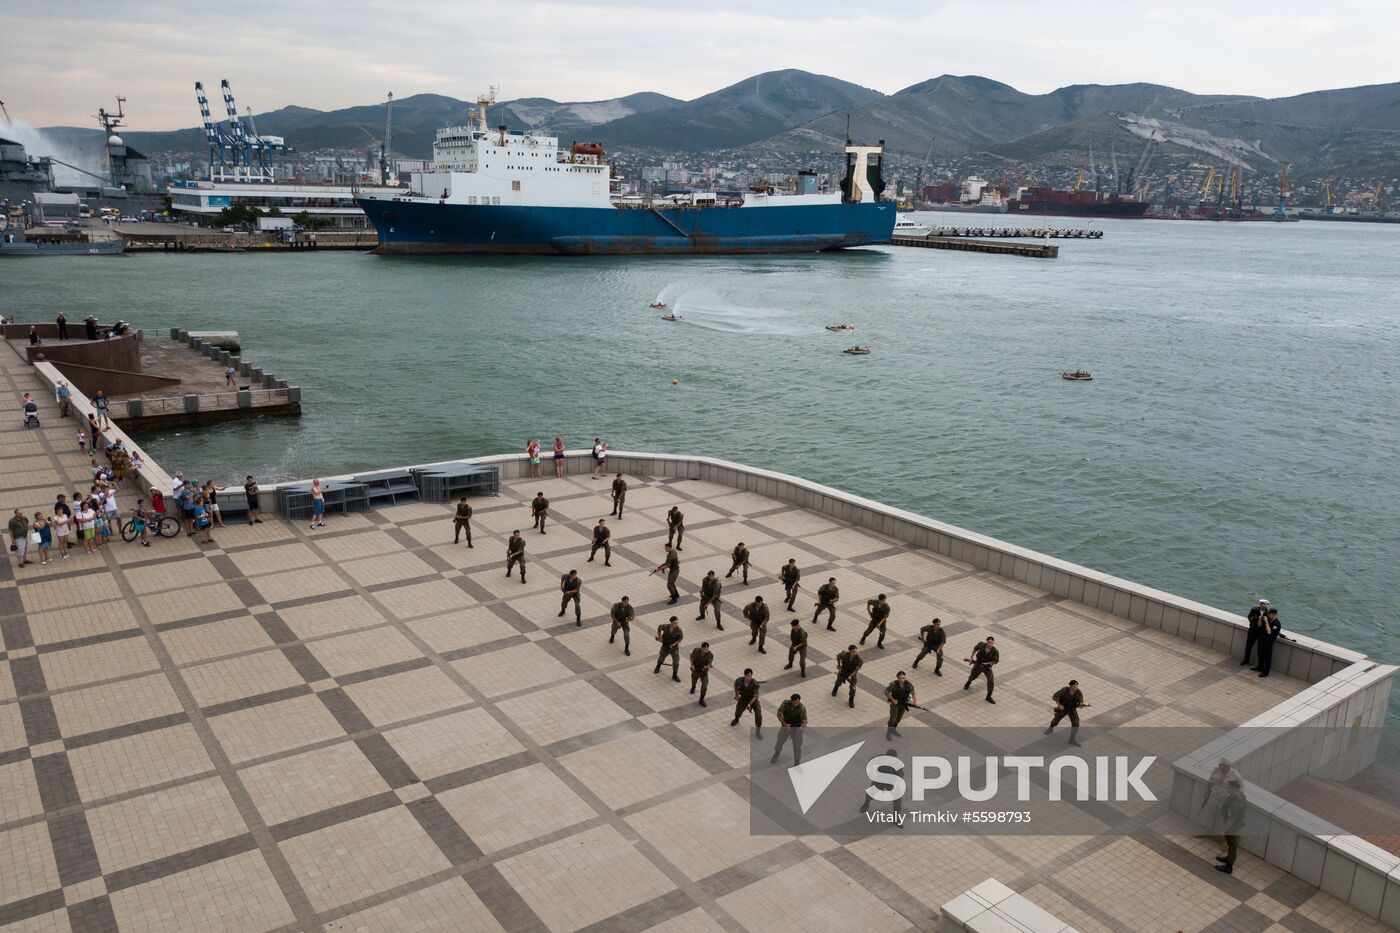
pixel 60 61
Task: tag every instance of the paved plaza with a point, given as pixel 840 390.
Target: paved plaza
pixel 366 727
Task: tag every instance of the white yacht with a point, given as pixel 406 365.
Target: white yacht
pixel 904 225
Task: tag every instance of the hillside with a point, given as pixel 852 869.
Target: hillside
pixel 752 110
pixel 784 114
pixel 960 114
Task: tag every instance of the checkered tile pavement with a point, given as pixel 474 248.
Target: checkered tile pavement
pixel 365 727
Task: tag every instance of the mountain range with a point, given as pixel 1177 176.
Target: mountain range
pixel 790 114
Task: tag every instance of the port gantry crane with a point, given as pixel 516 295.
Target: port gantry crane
pixel 236 154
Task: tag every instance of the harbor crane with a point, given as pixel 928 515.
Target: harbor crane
pixel 1327 195
pixel 1282 190
pixel 1208 183
pixel 235 153
pixel 386 144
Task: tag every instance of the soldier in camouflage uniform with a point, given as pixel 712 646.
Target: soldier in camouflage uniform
pixel 792 719
pixel 601 534
pixel 741 559
pixel 879 611
pixel 827 595
pixel 848 664
pixel 670 636
pixel 933 638
pixel 797 646
pixel 622 615
pixel 757 614
pixel 899 693
pixel 710 588
pixel 515 554
pixel 570 585
pixel 745 699
pixel 790 576
pixel 701 660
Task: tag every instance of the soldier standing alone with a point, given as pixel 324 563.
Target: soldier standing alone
pixel 933 638
pixel 848 664
pixel 675 527
pixel 757 614
pixel 462 521
pixel 984 658
pixel 539 508
pixel 701 660
pixel 1068 700
pixel 899 693
pixel 797 646
pixel 570 585
pixel 515 553
pixel 879 611
pixel 827 595
pixel 672 566
pixel 792 719
pixel 622 615
pixel 745 699
pixel 790 576
pixel 1232 815
pixel 670 636
pixel 601 534
pixel 619 495
pixel 741 559
pixel 710 588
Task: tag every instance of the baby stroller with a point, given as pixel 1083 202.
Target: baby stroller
pixel 31 414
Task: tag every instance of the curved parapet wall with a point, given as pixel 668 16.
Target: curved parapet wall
pixel 1304 658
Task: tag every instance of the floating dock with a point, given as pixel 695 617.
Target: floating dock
pixel 1034 250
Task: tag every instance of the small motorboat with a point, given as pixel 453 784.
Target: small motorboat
pixel 857 351
pixel 835 327
pixel 1077 375
pixel 659 305
pixel 673 316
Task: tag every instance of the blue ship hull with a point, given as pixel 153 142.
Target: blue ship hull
pixel 419 227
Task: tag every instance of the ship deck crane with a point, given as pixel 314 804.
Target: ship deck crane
pixel 386 150
pixel 1327 194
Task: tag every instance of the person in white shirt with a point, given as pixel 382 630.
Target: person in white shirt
pixel 600 457
pixel 86 517
pixel 109 505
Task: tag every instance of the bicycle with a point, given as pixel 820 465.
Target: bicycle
pixel 163 526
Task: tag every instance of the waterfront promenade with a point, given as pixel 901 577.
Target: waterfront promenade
pixel 366 727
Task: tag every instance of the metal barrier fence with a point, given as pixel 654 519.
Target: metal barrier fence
pixel 208 401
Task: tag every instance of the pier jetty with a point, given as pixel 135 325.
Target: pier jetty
pixel 292 728
pixel 1033 250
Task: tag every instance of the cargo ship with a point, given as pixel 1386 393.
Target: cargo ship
pixel 1068 203
pixel 500 191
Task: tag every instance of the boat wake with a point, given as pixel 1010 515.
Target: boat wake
pixel 710 311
